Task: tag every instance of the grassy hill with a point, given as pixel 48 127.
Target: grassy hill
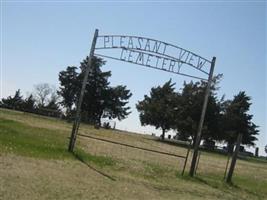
pixel 35 164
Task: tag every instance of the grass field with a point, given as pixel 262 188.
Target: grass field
pixel 35 164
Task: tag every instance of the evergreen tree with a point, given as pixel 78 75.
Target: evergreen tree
pixel 29 104
pixel 52 108
pixel 191 103
pixel 13 102
pixel 115 102
pixel 96 90
pixel 100 99
pixel 69 88
pixel 158 108
pixel 237 120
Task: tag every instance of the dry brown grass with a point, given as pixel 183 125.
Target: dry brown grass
pixel 137 174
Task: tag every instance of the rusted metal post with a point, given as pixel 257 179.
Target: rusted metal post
pixel 186 158
pixel 199 153
pixel 226 167
pixel 79 104
pixel 201 121
pixel 233 162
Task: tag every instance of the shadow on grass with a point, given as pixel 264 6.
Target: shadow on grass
pixel 221 185
pixel 213 183
pixel 78 157
pixel 226 186
pixel 208 183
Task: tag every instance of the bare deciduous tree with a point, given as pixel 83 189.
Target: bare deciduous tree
pixel 44 93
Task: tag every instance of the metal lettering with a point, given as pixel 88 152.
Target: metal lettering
pixel 157 60
pixel 148 60
pixel 140 57
pixel 172 64
pixel 156 47
pixel 164 63
pixel 200 63
pixel 121 41
pixel 191 59
pixel 188 53
pixel 153 53
pixel 147 46
pixel 180 63
pixel 139 42
pixel 130 43
pixel 122 50
pixel 164 50
pixel 179 68
pixel 106 40
pixel 181 55
pixel 130 56
pixel 112 44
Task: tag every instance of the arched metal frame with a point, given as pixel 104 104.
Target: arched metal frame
pixel 157 53
pixel 159 50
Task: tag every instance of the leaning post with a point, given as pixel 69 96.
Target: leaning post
pixel 201 121
pixel 79 104
pixel 187 154
pixel 234 157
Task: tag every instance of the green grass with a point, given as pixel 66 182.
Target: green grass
pixel 242 185
pixel 254 159
pixel 31 141
pixel 156 171
pixel 24 140
pixel 101 161
pixel 251 186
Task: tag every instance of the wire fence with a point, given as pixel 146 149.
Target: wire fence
pixel 130 147
pixel 135 149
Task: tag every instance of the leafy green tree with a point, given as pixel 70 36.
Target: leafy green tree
pixel 237 120
pixel 158 108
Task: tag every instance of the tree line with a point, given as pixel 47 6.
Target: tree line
pixel 43 100
pixel 164 108
pixel 100 100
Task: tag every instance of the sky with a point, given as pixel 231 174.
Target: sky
pixel 41 38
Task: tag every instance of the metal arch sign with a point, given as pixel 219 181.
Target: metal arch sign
pixel 152 53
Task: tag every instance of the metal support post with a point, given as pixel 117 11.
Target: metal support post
pixel 235 154
pixel 79 104
pixel 198 158
pixel 226 167
pixel 187 154
pixel 201 121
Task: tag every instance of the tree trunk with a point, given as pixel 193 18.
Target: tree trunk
pixel 163 134
pixel 230 147
pixel 68 112
pixel 98 122
pixel 193 140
